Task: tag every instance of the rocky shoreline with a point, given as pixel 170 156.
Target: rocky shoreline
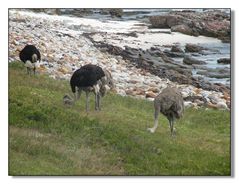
pixel 208 23
pixel 64 50
pixel 166 67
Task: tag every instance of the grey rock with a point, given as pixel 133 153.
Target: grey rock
pixel 185 29
pixel 176 48
pixel 190 61
pixel 193 48
pixel 224 61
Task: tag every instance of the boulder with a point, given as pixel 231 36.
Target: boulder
pixel 158 22
pixel 169 53
pixel 185 29
pixel 216 28
pixel 222 105
pixel 166 59
pixel 165 21
pixel 176 48
pixel 224 61
pixel 214 23
pixel 218 73
pixel 116 12
pixel 188 60
pixel 193 48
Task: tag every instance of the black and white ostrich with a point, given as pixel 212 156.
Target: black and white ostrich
pixel 89 78
pixel 170 103
pixel 30 55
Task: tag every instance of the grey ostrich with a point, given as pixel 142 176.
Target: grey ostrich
pixel 170 103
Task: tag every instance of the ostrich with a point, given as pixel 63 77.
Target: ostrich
pixel 30 55
pixel 170 104
pixel 67 100
pixel 106 83
pixel 89 78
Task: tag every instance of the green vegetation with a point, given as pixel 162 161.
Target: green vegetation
pixel 46 138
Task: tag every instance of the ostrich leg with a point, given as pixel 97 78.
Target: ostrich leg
pixel 171 123
pixel 87 101
pixel 156 115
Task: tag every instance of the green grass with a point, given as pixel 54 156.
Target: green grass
pixel 46 138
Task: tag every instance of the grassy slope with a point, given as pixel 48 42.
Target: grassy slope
pixel 45 138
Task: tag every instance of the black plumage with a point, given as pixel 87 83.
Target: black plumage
pixel 27 53
pixel 86 76
pixel 88 79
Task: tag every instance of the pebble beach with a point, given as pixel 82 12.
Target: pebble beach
pixel 65 48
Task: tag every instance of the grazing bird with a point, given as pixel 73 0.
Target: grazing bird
pixel 169 103
pixel 106 83
pixel 90 78
pixel 67 100
pixel 30 55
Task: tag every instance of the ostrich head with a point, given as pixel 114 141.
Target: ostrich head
pixel 68 100
pixel 106 83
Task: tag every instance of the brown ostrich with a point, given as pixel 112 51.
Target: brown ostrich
pixel 170 103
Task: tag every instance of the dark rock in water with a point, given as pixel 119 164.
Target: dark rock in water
pixel 163 21
pixel 116 12
pixel 214 74
pixel 188 60
pixel 166 59
pixel 201 83
pixel 155 49
pixel 219 73
pixel 193 48
pixel 185 29
pixel 224 61
pixel 176 48
pixel 208 51
pixel 173 54
pixel 158 53
pixel 225 39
